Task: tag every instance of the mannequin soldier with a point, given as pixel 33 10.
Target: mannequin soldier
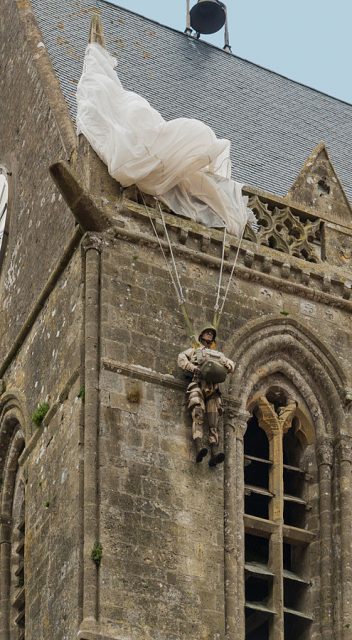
pixel 204 396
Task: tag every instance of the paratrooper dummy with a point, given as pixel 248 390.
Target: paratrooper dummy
pixel 208 368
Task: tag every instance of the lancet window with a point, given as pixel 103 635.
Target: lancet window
pixel 277 531
pixel 12 517
pixel 17 577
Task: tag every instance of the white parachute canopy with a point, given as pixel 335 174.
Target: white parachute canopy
pixel 181 162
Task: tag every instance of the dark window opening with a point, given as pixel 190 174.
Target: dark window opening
pixel 257 589
pixel 256 472
pixel 295 505
pixel 295 514
pixel 256 504
pixel 256 549
pixel 256 628
pixel 287 556
pixel 292 448
pixel 293 481
pixel 323 187
pixel 294 594
pixel 255 441
pixel 295 627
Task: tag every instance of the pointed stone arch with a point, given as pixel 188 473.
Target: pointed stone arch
pixel 276 353
pixel 13 407
pixel 275 345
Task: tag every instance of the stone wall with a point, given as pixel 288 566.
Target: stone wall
pixel 41 329
pixel 47 369
pixel 95 331
pixel 162 573
pixel 39 223
pixel 53 523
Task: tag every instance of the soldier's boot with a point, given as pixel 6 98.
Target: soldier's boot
pixel 197 432
pixel 216 457
pixel 201 450
pixel 213 409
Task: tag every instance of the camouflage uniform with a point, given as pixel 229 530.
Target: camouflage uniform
pixel 204 398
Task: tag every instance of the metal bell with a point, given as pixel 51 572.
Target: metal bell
pixel 208 16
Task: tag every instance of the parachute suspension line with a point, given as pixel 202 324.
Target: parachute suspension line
pixel 182 298
pixel 216 307
pixel 219 313
pixel 177 285
pixel 178 293
pixel 189 326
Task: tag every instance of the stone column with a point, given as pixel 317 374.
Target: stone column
pixel 235 424
pixel 276 486
pixel 91 247
pixel 324 456
pixel 344 458
pixel 270 422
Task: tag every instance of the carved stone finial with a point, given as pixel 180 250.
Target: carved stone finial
pixel 96 32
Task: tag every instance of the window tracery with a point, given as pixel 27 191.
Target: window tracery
pixel 284 230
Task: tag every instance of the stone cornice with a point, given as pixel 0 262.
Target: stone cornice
pixel 255 263
pixel 129 220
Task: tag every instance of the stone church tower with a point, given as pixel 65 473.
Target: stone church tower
pixel 108 528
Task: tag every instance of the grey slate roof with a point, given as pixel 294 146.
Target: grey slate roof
pixel 273 123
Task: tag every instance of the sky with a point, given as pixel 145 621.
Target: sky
pixel 306 40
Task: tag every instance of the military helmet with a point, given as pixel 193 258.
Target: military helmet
pixel 208 327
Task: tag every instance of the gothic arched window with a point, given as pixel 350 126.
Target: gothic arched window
pixel 277 532
pixel 12 516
